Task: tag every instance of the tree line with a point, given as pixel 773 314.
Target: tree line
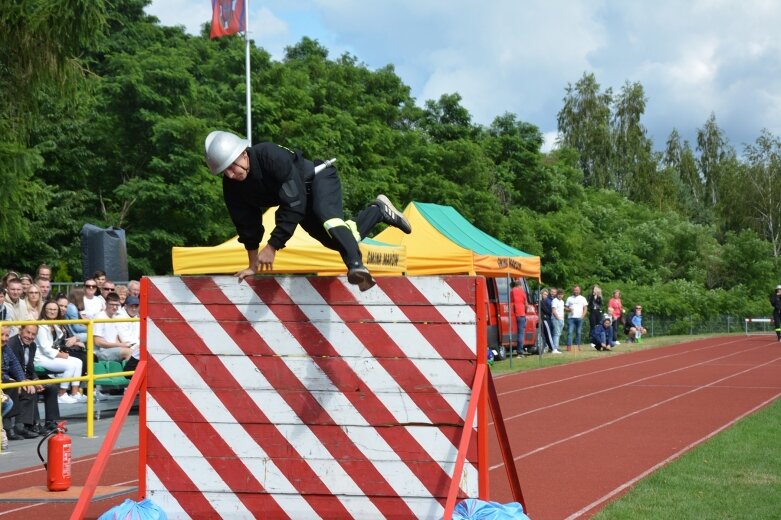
pixel 106 113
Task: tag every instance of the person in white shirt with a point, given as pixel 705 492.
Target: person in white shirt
pixel 49 356
pixel 576 306
pixel 109 346
pixel 557 315
pixel 131 332
pixel 134 288
pixel 94 303
pixel 13 299
pixel 6 309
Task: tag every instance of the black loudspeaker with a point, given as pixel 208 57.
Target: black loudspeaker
pixel 104 250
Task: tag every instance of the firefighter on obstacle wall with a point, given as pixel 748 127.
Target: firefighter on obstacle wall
pixel 775 301
pixel 266 175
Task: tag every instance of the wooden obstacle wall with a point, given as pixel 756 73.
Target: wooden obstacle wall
pixel 296 397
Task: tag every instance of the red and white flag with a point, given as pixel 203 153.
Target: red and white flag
pixel 228 17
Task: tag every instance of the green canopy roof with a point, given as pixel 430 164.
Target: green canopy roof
pixel 455 227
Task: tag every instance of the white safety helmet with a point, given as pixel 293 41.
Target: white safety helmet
pixel 778 287
pixel 222 148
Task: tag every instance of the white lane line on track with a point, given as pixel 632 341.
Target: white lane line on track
pixel 630 414
pixel 730 387
pixel 603 370
pixel 666 461
pixel 78 461
pixel 20 509
pixel 623 385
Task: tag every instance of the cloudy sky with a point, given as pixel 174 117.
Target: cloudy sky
pixel 693 58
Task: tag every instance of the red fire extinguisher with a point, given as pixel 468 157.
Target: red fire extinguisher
pixel 58 470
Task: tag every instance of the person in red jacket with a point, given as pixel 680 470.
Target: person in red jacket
pixel 519 301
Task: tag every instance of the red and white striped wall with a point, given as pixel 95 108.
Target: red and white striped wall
pixel 302 398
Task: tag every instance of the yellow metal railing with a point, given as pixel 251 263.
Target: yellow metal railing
pixel 89 378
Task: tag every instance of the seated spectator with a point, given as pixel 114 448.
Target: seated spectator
pixel 110 287
pixel 76 344
pixel 108 344
pixel 25 408
pixel 6 403
pixel 13 299
pixel 32 304
pixel 134 288
pixel 8 276
pixel 46 289
pixel 602 335
pixel 75 311
pixel 634 326
pixel 44 272
pixel 6 310
pixel 11 372
pixel 99 277
pixel 14 295
pixel 94 303
pixel 107 287
pixel 122 292
pixel 27 281
pixel 53 357
pixel 131 332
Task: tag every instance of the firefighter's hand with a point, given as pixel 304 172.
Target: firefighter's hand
pixel 266 258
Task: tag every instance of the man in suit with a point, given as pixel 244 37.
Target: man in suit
pixel 12 372
pixel 25 405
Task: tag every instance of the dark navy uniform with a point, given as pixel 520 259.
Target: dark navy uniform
pixel 284 178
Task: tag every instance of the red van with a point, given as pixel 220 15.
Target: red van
pixel 502 327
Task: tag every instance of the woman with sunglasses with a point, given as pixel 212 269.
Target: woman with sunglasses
pixel 51 354
pixel 93 301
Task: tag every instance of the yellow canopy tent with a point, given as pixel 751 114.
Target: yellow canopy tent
pixel 302 254
pixel 444 242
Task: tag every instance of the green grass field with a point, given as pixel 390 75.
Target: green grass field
pixel 517 364
pixel 735 475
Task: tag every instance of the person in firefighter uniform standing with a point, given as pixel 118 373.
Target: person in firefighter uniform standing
pixel 258 177
pixel 775 301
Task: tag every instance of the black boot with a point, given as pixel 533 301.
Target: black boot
pixel 25 432
pixel 357 274
pixel 360 276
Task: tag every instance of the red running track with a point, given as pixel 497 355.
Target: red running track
pixel 582 434
pixel 122 470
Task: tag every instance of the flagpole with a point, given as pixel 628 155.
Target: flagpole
pixel 246 64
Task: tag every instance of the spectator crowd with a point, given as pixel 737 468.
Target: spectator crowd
pixel 606 319
pixel 34 352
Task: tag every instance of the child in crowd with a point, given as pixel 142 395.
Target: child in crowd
pixel 636 329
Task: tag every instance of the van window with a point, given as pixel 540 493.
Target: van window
pixel 503 289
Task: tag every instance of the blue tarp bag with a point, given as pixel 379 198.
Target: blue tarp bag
pixel 474 509
pixel 132 510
